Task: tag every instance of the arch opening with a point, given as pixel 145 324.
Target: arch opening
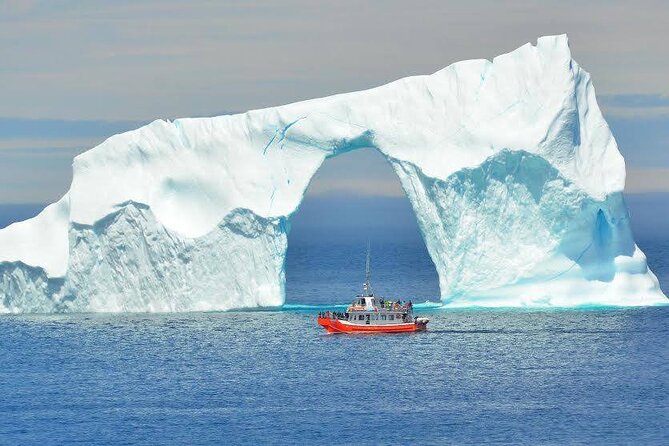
pixel 356 197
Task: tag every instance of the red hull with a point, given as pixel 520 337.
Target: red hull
pixel 338 326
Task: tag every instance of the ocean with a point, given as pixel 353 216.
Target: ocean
pixel 559 376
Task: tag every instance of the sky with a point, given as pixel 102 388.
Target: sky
pixel 74 73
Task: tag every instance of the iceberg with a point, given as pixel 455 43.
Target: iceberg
pixel 511 169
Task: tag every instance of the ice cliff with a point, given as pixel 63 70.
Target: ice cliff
pixel 513 174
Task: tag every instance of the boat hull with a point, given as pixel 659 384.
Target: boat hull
pixel 339 326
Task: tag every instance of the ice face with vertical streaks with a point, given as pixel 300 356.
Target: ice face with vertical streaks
pixel 513 174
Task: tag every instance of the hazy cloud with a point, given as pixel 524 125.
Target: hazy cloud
pixel 35 175
pixel 389 187
pixel 363 172
pixel 647 180
pixel 643 140
pixel 635 105
pixel 635 100
pixel 143 60
pixel 17 128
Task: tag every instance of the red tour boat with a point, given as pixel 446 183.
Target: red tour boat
pixel 369 314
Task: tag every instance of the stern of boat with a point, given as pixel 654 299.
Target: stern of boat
pixel 421 323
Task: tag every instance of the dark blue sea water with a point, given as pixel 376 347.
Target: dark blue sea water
pixel 596 376
pixel 527 377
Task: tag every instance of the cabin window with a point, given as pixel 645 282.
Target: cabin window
pixel 361 317
pixel 392 317
pixel 383 317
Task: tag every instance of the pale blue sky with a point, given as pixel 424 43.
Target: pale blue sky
pixel 73 73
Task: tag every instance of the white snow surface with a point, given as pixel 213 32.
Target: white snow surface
pixel 512 172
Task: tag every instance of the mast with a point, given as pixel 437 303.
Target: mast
pixel 367 286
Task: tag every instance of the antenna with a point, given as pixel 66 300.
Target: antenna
pixel 367 286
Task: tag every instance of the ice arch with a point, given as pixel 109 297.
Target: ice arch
pixel 514 176
pixel 355 199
